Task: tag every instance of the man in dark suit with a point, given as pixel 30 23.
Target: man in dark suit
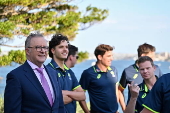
pixel 30 88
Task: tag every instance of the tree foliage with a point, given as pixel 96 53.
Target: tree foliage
pixel 20 17
pixel 17 56
pixel 83 56
pixel 13 56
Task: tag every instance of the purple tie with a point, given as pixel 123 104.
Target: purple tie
pixel 45 85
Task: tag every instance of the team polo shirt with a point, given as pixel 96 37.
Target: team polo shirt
pixel 67 81
pixel 132 73
pixel 101 87
pixel 158 100
pixel 144 91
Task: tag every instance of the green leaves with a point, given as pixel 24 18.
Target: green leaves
pixel 94 15
pixel 83 56
pixel 6 29
pixel 13 56
pixel 20 17
pixel 5 60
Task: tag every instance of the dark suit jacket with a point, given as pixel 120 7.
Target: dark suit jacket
pixel 24 93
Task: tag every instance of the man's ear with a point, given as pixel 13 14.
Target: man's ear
pixel 52 50
pixel 27 51
pixel 99 57
pixel 70 57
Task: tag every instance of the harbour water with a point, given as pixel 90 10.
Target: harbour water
pixel 78 69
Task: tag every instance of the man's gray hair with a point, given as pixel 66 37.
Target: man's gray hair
pixel 32 35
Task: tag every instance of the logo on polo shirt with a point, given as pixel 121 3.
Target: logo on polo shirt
pixel 59 75
pixel 135 76
pixel 113 74
pixel 69 76
pixel 144 95
pixel 98 76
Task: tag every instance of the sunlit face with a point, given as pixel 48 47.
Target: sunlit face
pixel 60 51
pixel 106 59
pixel 37 57
pixel 74 59
pixel 146 70
pixel 151 55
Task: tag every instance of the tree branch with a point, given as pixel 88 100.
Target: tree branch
pixel 11 46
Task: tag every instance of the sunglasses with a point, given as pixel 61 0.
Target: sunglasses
pixel 77 57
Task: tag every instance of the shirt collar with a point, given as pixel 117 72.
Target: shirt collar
pixel 136 67
pixel 144 86
pixel 96 69
pixel 54 64
pixel 33 66
pixel 65 67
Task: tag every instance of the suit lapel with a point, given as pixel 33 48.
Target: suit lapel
pixel 29 73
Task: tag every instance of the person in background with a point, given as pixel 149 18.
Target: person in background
pixel 31 88
pixel 72 91
pixel 101 82
pixel 72 56
pixel 139 93
pixel 132 73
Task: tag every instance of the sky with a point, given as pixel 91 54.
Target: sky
pixel 130 23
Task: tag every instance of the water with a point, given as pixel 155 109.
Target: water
pixel 78 69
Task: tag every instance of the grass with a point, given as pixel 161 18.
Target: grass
pixel 1 105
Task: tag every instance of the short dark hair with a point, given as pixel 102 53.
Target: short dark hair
pixel 145 49
pixel 101 49
pixel 72 50
pixel 56 40
pixel 30 36
pixel 143 59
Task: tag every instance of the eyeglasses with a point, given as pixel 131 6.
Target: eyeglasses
pixel 40 48
pixel 77 57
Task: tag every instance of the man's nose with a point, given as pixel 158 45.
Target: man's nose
pixel 65 48
pixel 145 70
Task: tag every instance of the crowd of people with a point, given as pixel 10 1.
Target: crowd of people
pixel 53 88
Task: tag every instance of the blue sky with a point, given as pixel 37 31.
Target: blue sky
pixel 129 24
